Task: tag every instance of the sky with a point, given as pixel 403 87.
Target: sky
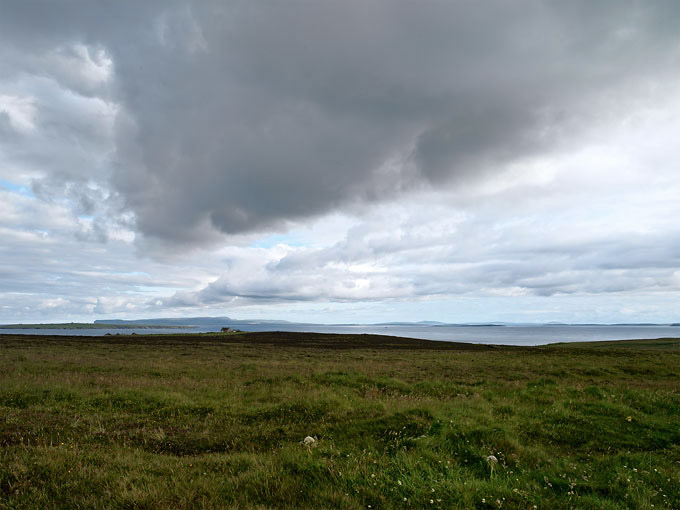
pixel 354 161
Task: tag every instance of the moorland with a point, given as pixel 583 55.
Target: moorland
pixel 220 421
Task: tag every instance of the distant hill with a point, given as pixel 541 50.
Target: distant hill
pixel 183 321
pixel 84 325
pixel 189 321
pixel 228 321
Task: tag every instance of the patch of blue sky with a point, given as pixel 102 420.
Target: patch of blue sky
pixel 16 188
pixel 275 239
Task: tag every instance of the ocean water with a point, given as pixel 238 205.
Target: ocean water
pixel 504 335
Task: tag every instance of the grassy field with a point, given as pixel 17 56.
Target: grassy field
pixel 218 421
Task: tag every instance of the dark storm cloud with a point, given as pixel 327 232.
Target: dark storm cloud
pixel 244 116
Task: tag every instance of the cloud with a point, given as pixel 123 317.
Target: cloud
pixel 319 155
pixel 238 118
pixel 429 250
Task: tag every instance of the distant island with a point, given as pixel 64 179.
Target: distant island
pixel 224 321
pixel 85 325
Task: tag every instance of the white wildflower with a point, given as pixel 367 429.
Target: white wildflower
pixel 309 442
pixel 492 460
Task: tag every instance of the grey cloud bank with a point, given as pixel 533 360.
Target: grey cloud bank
pixel 243 116
pixel 506 148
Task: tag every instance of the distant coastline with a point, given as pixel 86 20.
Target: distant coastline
pixel 83 325
pixel 215 323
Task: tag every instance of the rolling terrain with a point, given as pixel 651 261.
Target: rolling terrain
pixel 220 421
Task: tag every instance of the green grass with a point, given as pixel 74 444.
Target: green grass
pixel 216 421
pixel 667 344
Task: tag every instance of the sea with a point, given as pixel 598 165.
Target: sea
pixel 500 335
